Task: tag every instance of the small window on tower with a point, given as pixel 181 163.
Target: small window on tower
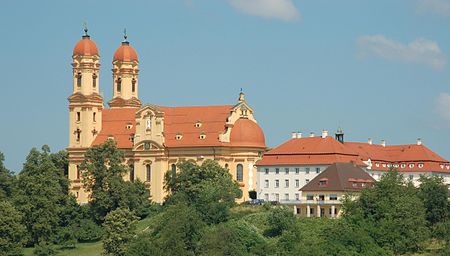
pixel 93 117
pixel 78 116
pixel 94 80
pixel 79 80
pixel 133 85
pixel 119 84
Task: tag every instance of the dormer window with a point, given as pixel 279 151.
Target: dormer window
pixel 94 80
pixel 202 136
pixel 198 124
pixel 411 165
pixel 323 182
pixel 79 79
pixel 119 84
pixel 178 136
pixel 129 126
pixel 110 137
pixel 420 165
pixel 403 165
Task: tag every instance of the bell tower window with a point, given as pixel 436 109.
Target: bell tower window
pixel 78 134
pixel 93 117
pixel 148 170
pixel 94 80
pixel 119 84
pixel 78 116
pixel 79 79
pixel 133 85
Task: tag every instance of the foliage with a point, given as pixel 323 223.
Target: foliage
pixel 144 245
pixel 119 230
pixel 179 230
pixel 208 187
pixel 102 172
pixel 44 249
pixel 232 238
pixel 433 193
pixel 279 219
pixel 11 229
pixel 6 180
pixel 392 214
pixel 88 231
pixel 42 199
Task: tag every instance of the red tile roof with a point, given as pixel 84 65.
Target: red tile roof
pixel 85 47
pixel 125 52
pixel 182 121
pixel 318 150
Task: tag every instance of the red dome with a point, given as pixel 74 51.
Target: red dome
pixel 125 53
pixel 247 133
pixel 85 47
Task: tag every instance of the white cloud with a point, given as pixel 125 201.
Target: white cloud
pixel 440 7
pixel 275 9
pixel 443 105
pixel 420 51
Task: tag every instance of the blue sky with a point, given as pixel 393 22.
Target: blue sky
pixel 378 69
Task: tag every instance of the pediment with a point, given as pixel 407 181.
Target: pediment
pixel 120 102
pixel 147 145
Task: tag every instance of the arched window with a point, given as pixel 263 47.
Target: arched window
pixel 148 170
pixel 226 166
pixel 79 79
pixel 174 170
pixel 94 80
pixel 239 173
pixel 132 172
pixel 133 85
pixel 119 84
pixel 78 172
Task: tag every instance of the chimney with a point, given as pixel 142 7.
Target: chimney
pixel 419 141
pixel 294 135
pixel 311 134
pixel 324 134
pixel 299 135
pixel 370 141
pixel 383 143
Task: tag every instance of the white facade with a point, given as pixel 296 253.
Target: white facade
pixel 282 183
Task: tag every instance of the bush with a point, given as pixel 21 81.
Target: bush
pixel 88 231
pixel 44 249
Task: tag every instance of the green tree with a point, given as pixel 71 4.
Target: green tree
pixel 232 238
pixel 102 173
pixel 179 230
pixel 208 187
pixel 144 245
pixel 433 193
pixel 12 231
pixel 280 219
pixel 392 214
pixel 41 198
pixel 6 180
pixel 120 227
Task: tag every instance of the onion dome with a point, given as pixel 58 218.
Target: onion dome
pixel 247 133
pixel 85 46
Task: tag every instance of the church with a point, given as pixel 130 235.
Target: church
pixel 154 138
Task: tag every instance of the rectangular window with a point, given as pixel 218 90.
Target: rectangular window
pixel 277 183
pixel 286 170
pixel 148 170
pixel 317 170
pixel 266 197
pixel 299 211
pixel 297 183
pixel 309 197
pixel 307 170
pixel 277 170
pixel 277 197
pixel 93 117
pixel 297 197
pixel 333 197
pixel 306 181
pixel 266 170
pixel 131 172
pixel 78 116
pixel 311 211
pixel 286 197
pixel 297 170
pixel 266 183
pixel 78 172
pixel 322 182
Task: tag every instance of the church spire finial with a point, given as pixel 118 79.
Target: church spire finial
pixel 125 37
pixel 85 28
pixel 241 96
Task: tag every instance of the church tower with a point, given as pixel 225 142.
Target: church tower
pixel 85 103
pixel 125 77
